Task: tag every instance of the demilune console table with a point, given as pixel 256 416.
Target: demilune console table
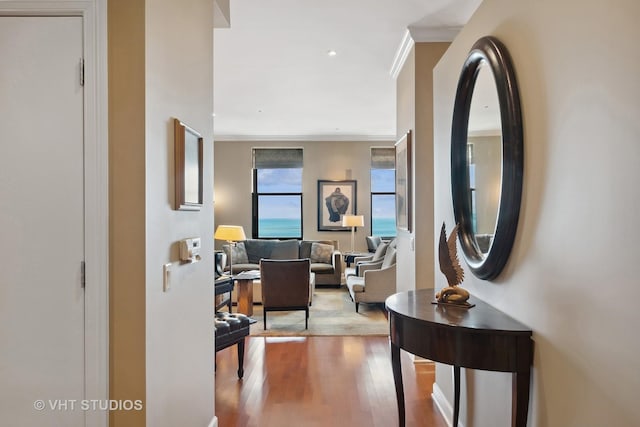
pixel 480 337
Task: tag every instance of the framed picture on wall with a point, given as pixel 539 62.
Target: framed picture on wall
pixel 335 199
pixel 188 167
pixel 403 182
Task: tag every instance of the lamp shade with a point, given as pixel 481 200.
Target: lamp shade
pixel 231 233
pixel 353 221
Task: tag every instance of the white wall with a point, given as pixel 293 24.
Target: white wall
pixel 573 273
pixel 331 160
pixel 405 121
pixel 161 343
pixel 414 111
pixel 179 83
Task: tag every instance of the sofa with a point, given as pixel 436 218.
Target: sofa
pixel 325 257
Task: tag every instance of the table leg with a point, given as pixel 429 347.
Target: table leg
pixel 456 395
pixel 241 358
pixel 397 379
pixel 520 398
pixel 245 297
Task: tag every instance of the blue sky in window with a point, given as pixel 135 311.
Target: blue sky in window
pixel 279 180
pixel 272 207
pixel 383 206
pixel 383 180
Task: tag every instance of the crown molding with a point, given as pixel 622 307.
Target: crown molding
pixel 307 138
pixel 401 54
pixel 413 35
pixel 442 34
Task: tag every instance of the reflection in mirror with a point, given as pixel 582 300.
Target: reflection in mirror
pixel 484 157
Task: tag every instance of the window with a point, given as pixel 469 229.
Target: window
pixel 277 193
pixel 383 192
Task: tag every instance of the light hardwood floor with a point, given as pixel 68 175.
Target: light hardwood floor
pixel 320 381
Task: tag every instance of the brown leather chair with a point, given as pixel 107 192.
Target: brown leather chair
pixel 285 286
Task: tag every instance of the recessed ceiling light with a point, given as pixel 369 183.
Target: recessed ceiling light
pixel 332 52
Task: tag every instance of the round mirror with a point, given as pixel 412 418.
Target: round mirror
pixel 487 157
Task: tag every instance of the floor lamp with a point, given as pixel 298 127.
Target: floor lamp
pixel 353 221
pixel 232 234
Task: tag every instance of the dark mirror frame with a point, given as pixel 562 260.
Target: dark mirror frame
pixel 488 266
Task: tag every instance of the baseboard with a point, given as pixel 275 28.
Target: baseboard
pixel 443 405
pixel 214 422
pixel 417 360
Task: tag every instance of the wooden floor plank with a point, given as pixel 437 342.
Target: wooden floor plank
pixel 320 381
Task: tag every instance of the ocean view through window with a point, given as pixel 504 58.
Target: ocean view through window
pixel 277 195
pixel 383 192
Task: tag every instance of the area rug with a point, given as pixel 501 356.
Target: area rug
pixel 332 313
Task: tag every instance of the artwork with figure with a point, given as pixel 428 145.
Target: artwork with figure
pixel 335 199
pixel 337 204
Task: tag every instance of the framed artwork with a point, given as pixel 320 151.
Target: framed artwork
pixel 335 199
pixel 188 167
pixel 403 182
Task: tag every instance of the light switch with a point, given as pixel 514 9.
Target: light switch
pixel 166 276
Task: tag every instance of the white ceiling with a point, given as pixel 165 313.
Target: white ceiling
pixel 273 79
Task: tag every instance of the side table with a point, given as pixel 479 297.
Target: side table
pixel 350 256
pixel 245 290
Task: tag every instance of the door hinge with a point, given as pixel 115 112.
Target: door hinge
pixel 81 71
pixel 82 273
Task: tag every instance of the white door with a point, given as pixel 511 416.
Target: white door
pixel 41 222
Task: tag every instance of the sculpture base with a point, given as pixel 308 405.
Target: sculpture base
pixel 454 304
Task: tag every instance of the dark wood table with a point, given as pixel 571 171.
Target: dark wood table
pixel 480 337
pixel 350 256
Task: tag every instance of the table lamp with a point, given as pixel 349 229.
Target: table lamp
pixel 353 221
pixel 232 234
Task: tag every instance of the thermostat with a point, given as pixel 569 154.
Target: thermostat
pixel 190 249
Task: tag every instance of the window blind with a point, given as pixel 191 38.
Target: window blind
pixel 277 158
pixel 383 158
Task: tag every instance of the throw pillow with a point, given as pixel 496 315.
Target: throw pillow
pixel 380 251
pixel 239 254
pixel 285 249
pixel 389 258
pixel 321 253
pixel 258 249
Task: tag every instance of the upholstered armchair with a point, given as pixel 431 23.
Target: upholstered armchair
pixel 365 259
pixel 286 286
pixel 376 281
pixel 375 258
pixel 373 242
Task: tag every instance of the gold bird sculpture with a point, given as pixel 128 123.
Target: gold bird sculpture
pixel 450 267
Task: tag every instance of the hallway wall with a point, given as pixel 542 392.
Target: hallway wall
pixel 573 272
